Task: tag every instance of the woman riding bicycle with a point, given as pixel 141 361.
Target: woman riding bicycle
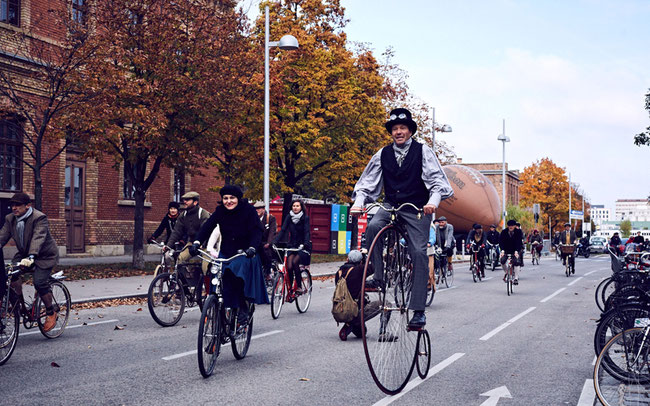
pixel 240 230
pixel 297 225
pixel 535 237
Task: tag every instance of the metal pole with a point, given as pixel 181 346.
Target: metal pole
pixel 503 185
pixel 266 110
pixel 433 136
pixel 569 197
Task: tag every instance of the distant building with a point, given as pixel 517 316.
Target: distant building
pixel 598 214
pixel 494 173
pixel 632 209
pixel 608 228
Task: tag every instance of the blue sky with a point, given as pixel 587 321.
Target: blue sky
pixel 569 77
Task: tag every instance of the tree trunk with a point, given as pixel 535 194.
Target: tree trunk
pixel 286 205
pixel 38 188
pixel 138 229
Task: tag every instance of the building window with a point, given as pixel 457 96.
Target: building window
pixel 129 187
pixel 179 184
pixel 79 11
pixel 10 12
pixel 11 148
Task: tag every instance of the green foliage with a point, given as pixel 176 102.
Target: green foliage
pixel 523 216
pixel 644 137
pixel 626 228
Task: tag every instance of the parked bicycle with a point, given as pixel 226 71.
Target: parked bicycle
pixel 14 307
pixel 174 288
pixel 392 350
pixel 282 288
pixel 219 325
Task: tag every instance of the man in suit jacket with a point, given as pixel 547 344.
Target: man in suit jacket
pixel 568 237
pixel 31 232
pixel 445 238
pixel 270 229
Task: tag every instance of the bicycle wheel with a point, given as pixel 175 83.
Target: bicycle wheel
pixel 430 294
pixel 423 355
pixel 277 295
pixel 495 260
pixel 598 295
pixel 199 293
pixel 304 299
pixel 474 271
pixel 61 300
pixel 567 268
pixel 240 338
pixel 622 371
pixel 166 300
pixel 209 338
pixel 449 276
pixel 616 320
pixel 9 328
pixel 388 344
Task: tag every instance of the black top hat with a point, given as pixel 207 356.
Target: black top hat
pixel 512 222
pixel 20 198
pixel 401 116
pixel 477 226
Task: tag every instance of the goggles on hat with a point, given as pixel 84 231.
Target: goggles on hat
pixel 395 117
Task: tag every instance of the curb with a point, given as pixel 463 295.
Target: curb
pixel 104 298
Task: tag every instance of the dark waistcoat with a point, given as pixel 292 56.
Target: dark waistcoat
pixel 404 183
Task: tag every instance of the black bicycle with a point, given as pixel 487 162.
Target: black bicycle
pixel 13 307
pixel 392 349
pixel 174 288
pixel 219 325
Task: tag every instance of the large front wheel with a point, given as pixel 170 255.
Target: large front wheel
pixel 304 298
pixel 166 299
pixel 62 305
pixel 388 344
pixel 209 338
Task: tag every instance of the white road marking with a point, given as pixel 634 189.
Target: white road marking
pixel 488 278
pixel 495 394
pixel 575 280
pixel 552 295
pixel 75 326
pixel 186 353
pixel 594 361
pixel 588 394
pixel 590 272
pixel 415 382
pixel 506 324
pixel 440 290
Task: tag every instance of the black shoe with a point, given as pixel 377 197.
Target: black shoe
pixel 373 285
pixel 515 282
pixel 242 316
pixel 418 320
pixel 573 270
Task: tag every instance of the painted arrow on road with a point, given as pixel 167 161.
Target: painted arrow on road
pixel 495 394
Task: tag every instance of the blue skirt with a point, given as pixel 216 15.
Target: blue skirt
pixel 247 272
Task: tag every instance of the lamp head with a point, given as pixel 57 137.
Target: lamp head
pixel 288 42
pixel 503 138
pixel 446 128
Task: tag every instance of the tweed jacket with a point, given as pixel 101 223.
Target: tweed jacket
pixel 37 239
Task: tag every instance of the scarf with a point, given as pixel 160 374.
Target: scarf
pixel 20 226
pixel 401 152
pixel 295 218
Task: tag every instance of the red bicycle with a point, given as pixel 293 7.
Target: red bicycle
pixel 282 289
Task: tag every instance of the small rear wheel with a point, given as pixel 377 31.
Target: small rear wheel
pixel 423 355
pixel 304 298
pixel 474 271
pixel 277 295
pixel 166 300
pixel 62 305
pixel 209 337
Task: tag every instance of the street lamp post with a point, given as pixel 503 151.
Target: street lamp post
pixel 287 42
pixel 437 127
pixel 502 137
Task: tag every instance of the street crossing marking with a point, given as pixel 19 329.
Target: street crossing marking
pixel 415 382
pixel 588 394
pixel 75 326
pixel 186 353
pixel 575 280
pixel 506 324
pixel 552 295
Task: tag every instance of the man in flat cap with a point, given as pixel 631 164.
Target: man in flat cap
pixel 30 230
pixel 408 172
pixel 188 225
pixel 270 230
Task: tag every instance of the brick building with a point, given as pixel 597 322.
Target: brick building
pixel 494 172
pixel 89 204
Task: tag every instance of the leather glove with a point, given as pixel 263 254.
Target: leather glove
pixel 250 252
pixel 194 249
pixel 166 248
pixel 27 262
pixel 150 240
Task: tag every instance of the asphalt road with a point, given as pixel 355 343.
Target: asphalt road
pixel 537 344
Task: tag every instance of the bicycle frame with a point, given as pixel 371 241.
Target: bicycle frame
pixel 281 268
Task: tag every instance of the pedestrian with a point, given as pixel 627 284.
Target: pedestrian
pixel 352 271
pixel 408 172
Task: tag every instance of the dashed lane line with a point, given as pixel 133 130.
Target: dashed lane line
pixel 417 381
pixel 588 394
pixel 186 353
pixel 506 324
pixel 552 295
pixel 69 327
pixel 575 280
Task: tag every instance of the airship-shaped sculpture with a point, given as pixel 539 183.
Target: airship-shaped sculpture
pixel 475 199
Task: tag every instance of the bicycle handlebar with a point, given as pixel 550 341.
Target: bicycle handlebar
pixel 206 256
pixel 392 209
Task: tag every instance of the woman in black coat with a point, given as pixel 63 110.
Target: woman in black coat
pixel 167 224
pixel 296 224
pixel 241 230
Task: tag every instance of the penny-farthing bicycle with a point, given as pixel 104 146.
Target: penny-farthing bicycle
pixel 392 350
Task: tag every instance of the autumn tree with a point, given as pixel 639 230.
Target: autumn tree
pixel 37 85
pixel 545 183
pixel 326 101
pixel 161 82
pixel 644 137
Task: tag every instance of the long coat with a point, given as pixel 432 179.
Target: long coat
pixel 37 239
pixel 270 228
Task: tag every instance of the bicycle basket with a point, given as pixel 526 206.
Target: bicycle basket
pixel 567 249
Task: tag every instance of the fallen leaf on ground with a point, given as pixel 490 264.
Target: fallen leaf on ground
pixel 55 365
pixel 101 316
pixel 118 328
pixel 304 379
pixel 139 309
